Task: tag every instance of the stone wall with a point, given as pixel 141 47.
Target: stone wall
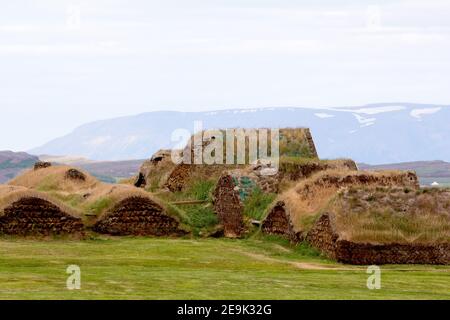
pixel 324 237
pixel 278 222
pixel 303 170
pixel 228 207
pixel 138 216
pixel 35 216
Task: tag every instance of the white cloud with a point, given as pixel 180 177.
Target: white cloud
pixel 166 55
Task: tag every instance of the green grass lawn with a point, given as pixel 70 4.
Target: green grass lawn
pixel 146 268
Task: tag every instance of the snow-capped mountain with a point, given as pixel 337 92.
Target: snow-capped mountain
pixel 377 133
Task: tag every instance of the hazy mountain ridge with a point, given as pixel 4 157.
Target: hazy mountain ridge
pixel 423 168
pixel 12 163
pixel 377 133
pixel 109 171
pixel 428 171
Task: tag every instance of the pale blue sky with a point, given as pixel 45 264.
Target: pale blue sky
pixel 64 63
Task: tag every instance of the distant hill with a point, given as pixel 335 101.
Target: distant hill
pixel 428 171
pixel 12 163
pixel 68 160
pixel 106 171
pixel 110 171
pixel 377 133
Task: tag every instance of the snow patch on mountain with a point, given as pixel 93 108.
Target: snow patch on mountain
pixel 376 133
pixel 364 122
pixel 323 115
pixel 418 113
pixel 99 140
pixel 376 110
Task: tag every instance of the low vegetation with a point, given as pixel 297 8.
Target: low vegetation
pixel 146 268
pixel 385 215
pixel 256 204
pixel 83 193
pixel 311 196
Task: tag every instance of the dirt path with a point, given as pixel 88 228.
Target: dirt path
pixel 299 265
pixel 319 266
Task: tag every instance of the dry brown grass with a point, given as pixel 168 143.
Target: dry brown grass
pixel 54 178
pixel 157 173
pixel 12 194
pixel 386 215
pixel 90 197
pixel 309 197
pixel 105 196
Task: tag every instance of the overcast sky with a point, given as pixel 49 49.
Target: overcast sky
pixel 64 63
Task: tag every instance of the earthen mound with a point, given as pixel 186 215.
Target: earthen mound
pixel 138 216
pixel 161 172
pixel 327 239
pixel 310 196
pixel 27 213
pixel 385 226
pixel 56 178
pixel 155 171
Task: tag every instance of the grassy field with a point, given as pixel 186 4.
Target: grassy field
pixel 139 268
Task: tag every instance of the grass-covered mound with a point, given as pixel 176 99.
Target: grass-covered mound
pixel 138 215
pixel 56 178
pixel 294 211
pixel 30 213
pixel 385 225
pixel 385 215
pixel 298 168
pixel 160 172
pixel 108 208
pixel 126 210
